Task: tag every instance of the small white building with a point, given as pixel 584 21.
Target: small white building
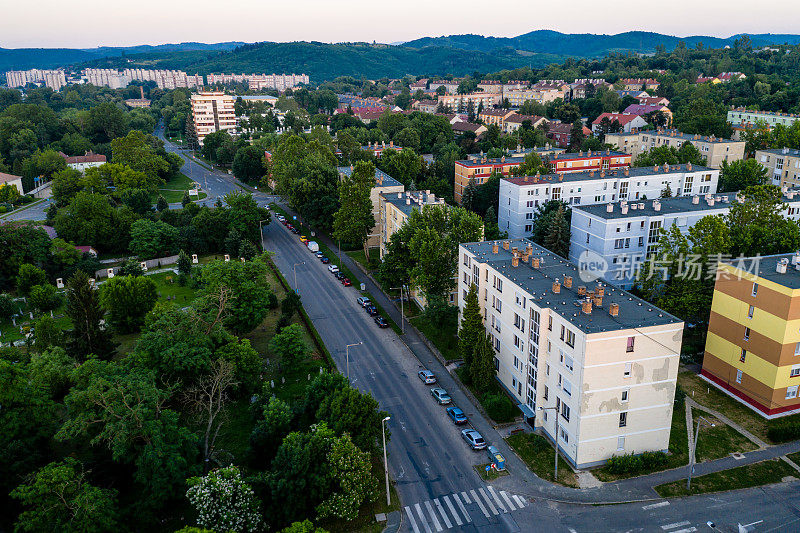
pixel 82 162
pixel 521 197
pixel 12 181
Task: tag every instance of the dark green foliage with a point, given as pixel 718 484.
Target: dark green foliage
pixel 499 407
pixel 631 464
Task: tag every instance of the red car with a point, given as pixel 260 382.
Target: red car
pixel 346 282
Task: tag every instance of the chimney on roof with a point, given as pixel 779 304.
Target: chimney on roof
pixel 695 200
pixel 688 166
pixel 556 286
pixel 560 177
pixel 610 208
pixel 586 306
pixel 495 247
pixel 582 290
pixel 613 309
pixel 399 195
pixel 408 200
pixel 535 262
pixel 525 179
pixel 568 282
pixel 602 173
pixel 598 300
pixel 506 244
pixel 657 205
pixel 655 168
pixel 666 167
pixel 780 268
pixel 624 209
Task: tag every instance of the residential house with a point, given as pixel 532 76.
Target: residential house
pixel 741 118
pixel 514 122
pixel 12 181
pixel 425 106
pixel 460 127
pixel 627 121
pixel 561 133
pixel 82 162
pixel 782 164
pixel 495 116
pixel 451 86
pixel 639 84
pixel 643 110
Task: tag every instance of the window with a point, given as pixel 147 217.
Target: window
pixel 618 243
pixel 620 443
pixel 623 419
pixel 528 228
pixel 567 386
pixel 567 360
pixel 565 411
pixel 564 434
pixel 570 339
pixel 746 335
pixel 738 376
pixel 755 289
pixel 743 355
pixel 517 344
pixel 791 392
pixel 625 394
pixel 545 393
pixel 519 322
pixel 550 323
pixel 627 372
pixel 751 311
pixel 563 329
pixel 797 349
pixel 629 347
pixel 794 372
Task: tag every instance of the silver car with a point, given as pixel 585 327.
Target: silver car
pixel 441 396
pixel 474 439
pixel 427 377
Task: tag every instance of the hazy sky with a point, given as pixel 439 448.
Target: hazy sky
pixel 89 23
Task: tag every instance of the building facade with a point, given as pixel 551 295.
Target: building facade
pixel 783 166
pixel 54 79
pixel 626 121
pixel 212 112
pixel 714 149
pixel 459 103
pixel 82 162
pixel 592 366
pixel 521 197
pixel 12 181
pixel 739 117
pixel 384 184
pixel 753 340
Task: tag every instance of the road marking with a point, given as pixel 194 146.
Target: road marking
pixel 452 510
pixel 433 516
pixel 489 501
pixel 504 494
pixel 480 504
pixel 443 513
pixel 461 506
pixel 520 501
pixel 411 518
pixel 676 524
pixel 422 518
pixel 466 497
pixel 687 530
pixel 500 506
pixel 655 505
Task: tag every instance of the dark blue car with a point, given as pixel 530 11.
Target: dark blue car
pixel 456 415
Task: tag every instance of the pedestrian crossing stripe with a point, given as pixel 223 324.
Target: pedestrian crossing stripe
pixel 445 512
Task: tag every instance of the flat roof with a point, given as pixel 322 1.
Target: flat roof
pixel 765 267
pixel 669 206
pixel 781 151
pixel 388 181
pixel 620 173
pixel 415 196
pixel 633 312
pixel 675 134
pixel 511 160
pixel 586 155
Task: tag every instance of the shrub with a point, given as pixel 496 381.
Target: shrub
pixel 784 432
pixel 499 407
pixel 632 464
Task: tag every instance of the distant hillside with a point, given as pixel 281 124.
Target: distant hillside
pixel 26 58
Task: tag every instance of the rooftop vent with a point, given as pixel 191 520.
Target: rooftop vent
pixel 506 244
pixel 535 262
pixel 582 290
pixel 657 205
pixel 781 266
pixel 610 208
pixel 695 200
pixel 568 282
pixel 613 309
pixel 586 306
pixel 556 287
pixel 495 247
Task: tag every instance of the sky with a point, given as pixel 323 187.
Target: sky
pixel 90 23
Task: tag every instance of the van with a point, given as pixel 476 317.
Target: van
pixel 313 246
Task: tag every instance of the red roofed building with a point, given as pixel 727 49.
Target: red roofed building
pixel 652 100
pixel 561 133
pixel 627 121
pixel 82 162
pixel 645 109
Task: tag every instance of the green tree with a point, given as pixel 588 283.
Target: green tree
pixel 184 263
pixel 306 526
pixel 131 267
pixel 138 200
pixel 140 152
pixel 354 220
pixel 47 333
pixel 269 432
pixel 128 299
pixel 7 307
pixel 741 174
pixel 247 164
pixel 348 410
pixel 289 345
pixel 224 502
pixel 557 238
pixel 472 330
pixel 482 368
pixel 59 497
pixel 351 470
pixel 151 239
pixel 44 298
pixel 83 308
pixel 532 165
pixel 161 203
pixel 28 277
pixel 760 227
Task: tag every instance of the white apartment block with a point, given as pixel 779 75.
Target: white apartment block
pixel 517 98
pixel 55 79
pixel 164 79
pixel 743 117
pixel 211 112
pixel 625 234
pixel 280 82
pixel 459 103
pixel 593 366
pixel 521 197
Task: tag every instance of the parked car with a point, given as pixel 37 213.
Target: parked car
pixel 295 230
pixel 382 323
pixel 363 301
pixel 303 239
pixel 324 260
pixel 333 269
pixel 456 415
pixel 371 310
pixel 313 246
pixel 339 276
pixel 289 226
pixel 319 254
pixel 346 282
pixel 281 218
pixel 441 396
pixel 474 439
pixel 427 377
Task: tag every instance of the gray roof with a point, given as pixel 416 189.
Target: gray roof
pixel 675 134
pixel 586 155
pixel 633 312
pixel 632 172
pixel 388 181
pixel 765 267
pixel 782 151
pixel 400 203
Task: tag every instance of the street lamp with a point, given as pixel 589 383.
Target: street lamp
pixel 402 315
pixel 261 233
pixel 555 437
pixel 295 274
pixel 347 356
pixel 385 462
pixel 694 450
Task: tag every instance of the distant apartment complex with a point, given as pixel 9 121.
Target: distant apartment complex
pixel 714 149
pixel 741 117
pixel 54 79
pixel 782 164
pixel 257 82
pixel 164 79
pixel 753 343
pixel 459 103
pixel 593 366
pixel 212 112
pixel 639 84
pixel 521 197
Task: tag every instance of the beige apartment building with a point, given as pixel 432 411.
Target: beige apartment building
pixel 591 365
pixel 519 97
pixel 782 164
pixel 212 112
pixel 459 103
pixel 384 184
pixel 714 149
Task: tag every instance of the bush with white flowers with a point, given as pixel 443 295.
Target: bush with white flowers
pixel 224 502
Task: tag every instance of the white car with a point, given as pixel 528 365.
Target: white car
pixel 427 377
pixel 363 301
pixel 474 439
pixel 333 269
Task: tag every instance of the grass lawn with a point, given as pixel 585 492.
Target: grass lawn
pixel 374 258
pixel 168 287
pixel 445 340
pixel 754 475
pixel 678 449
pixel 491 475
pixel 173 190
pixel 719 441
pixel 707 395
pixel 538 454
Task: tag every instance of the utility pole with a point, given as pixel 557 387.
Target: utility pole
pixel 700 420
pixel 385 462
pixel 555 437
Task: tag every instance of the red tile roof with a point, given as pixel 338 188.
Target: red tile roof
pixel 88 157
pixel 622 118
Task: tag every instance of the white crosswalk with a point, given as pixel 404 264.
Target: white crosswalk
pixel 445 512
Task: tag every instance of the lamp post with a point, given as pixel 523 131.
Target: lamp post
pixel 555 437
pixel 347 356
pixel 385 462
pixel 261 233
pixel 402 315
pixel 295 274
pixel 700 420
